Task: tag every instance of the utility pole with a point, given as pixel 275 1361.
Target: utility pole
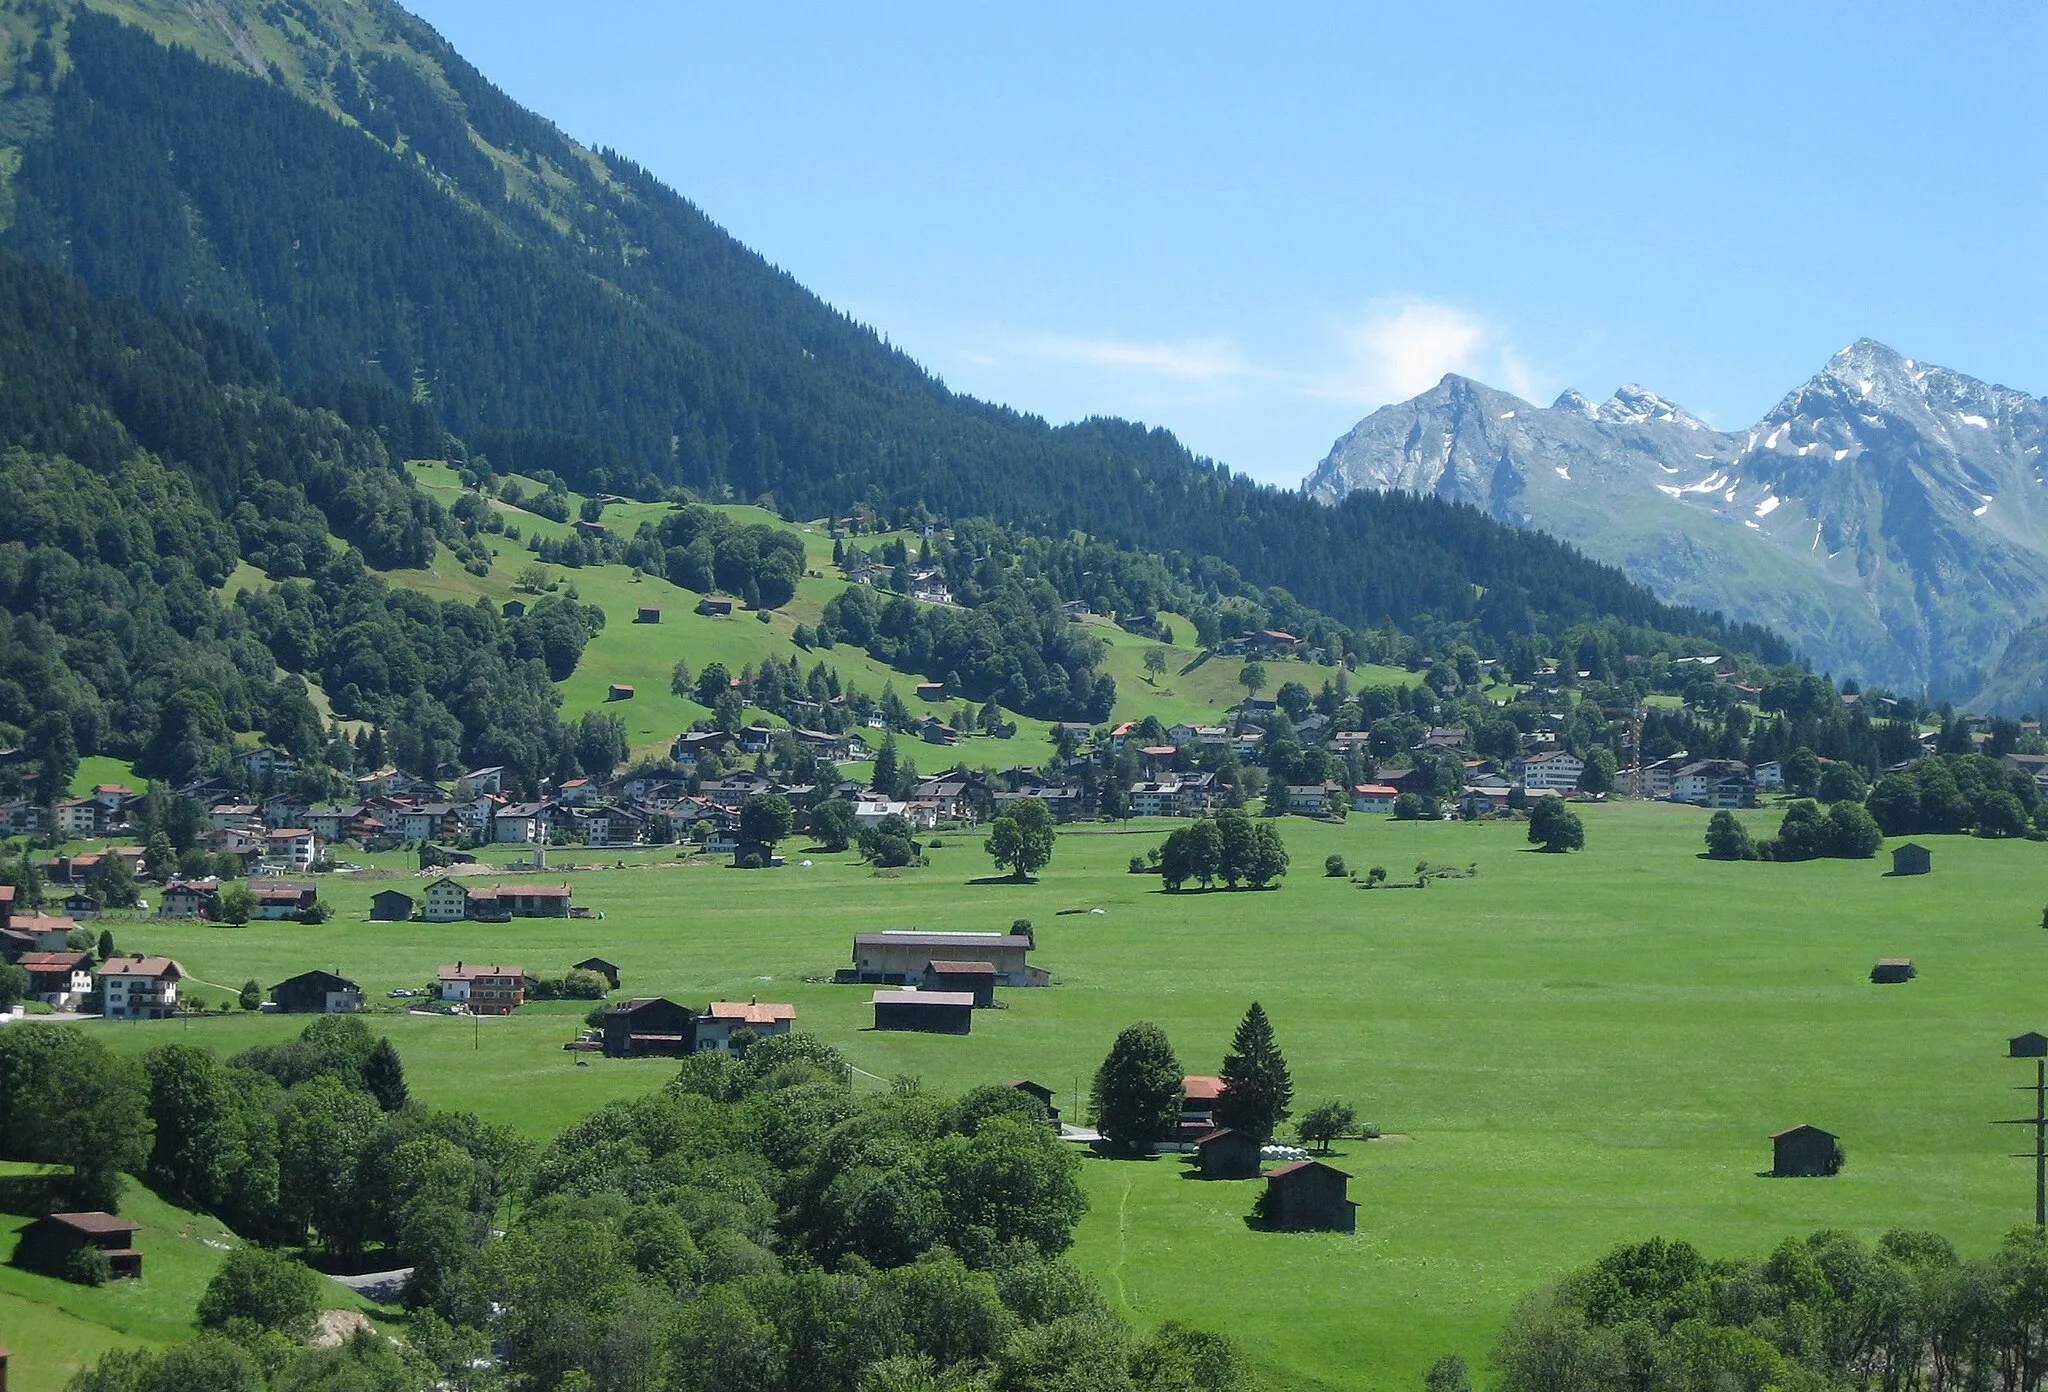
pixel 2035 1047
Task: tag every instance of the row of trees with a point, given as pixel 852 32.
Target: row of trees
pixel 1136 1096
pixel 1844 831
pixel 1231 848
pixel 1829 1312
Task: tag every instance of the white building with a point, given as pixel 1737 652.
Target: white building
pixel 1557 772
pixel 1373 797
pixel 716 1025
pixel 139 988
pixel 293 848
pixel 1155 799
pixel 445 901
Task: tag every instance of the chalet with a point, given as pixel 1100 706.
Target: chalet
pixel 482 782
pixel 735 789
pixel 296 847
pixel 1769 776
pixel 1200 736
pixel 1227 1154
pixel 897 958
pixel 1445 739
pixel 21 817
pixel 924 1012
pixel 1660 776
pixel 607 825
pixel 722 1019
pixel 599 967
pixel 188 898
pixel 280 899
pixel 57 978
pixel 1158 799
pixel 578 792
pixel 1310 799
pixel 651 1027
pixel 977 979
pixel 1154 757
pixel 1039 1091
pixel 1309 1196
pixel 77 817
pixel 332 823
pixel 391 906
pixel 1912 859
pixel 486 988
pixel 2035 766
pixel 81 904
pixel 939 733
pixel 513 609
pixel 264 763
pixel 713 607
pixel 1557 771
pixel 518 824
pixel 504 901
pixel 317 993
pixel 584 527
pixel 446 900
pixel 648 614
pixel 234 816
pixel 687 747
pixel 49 1243
pixel 1805 1152
pixel 1722 783
pixel 1066 801
pixel 139 988
pixel 929 586
pixel 954 798
pixel 1373 797
pixel 1198 1095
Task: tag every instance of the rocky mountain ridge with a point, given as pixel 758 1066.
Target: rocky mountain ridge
pixel 1888 515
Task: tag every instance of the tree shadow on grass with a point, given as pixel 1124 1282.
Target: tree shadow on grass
pixel 1003 880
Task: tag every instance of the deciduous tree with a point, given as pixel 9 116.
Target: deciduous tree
pixel 1136 1097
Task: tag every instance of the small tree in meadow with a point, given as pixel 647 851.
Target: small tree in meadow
pixel 1556 828
pixel 1324 1123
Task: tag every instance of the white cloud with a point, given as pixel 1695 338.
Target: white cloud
pixel 1191 360
pixel 1405 346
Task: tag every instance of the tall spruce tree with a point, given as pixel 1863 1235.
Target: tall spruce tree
pixel 384 1076
pixel 1136 1097
pixel 1256 1088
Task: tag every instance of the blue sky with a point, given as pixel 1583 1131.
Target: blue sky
pixel 1253 228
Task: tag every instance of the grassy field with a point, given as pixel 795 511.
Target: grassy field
pixel 643 655
pixel 54 1327
pixel 1579 1051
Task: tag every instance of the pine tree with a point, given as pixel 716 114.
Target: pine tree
pixel 384 1076
pixel 884 780
pixel 1256 1087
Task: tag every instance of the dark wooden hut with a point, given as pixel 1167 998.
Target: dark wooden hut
pixel 977 979
pixel 1309 1196
pixel 1227 1154
pixel 1912 859
pixel 926 1012
pixel 1805 1152
pixel 1890 971
pixel 651 1027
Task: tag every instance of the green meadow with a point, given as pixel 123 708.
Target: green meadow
pixel 1564 1052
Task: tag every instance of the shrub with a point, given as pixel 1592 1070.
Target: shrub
pixel 88 1266
pixel 1333 866
pixel 260 1289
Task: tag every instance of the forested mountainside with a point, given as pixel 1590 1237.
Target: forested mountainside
pixel 366 203
pixel 1889 515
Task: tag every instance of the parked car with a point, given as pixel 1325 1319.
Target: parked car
pixel 403 995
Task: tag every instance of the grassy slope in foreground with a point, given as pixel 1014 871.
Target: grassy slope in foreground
pixel 1585 1050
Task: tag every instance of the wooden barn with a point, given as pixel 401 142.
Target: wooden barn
pixel 2029 1045
pixel 49 1242
pixel 1891 971
pixel 514 609
pixel 651 1027
pixel 648 614
pixel 619 692
pixel 715 608
pixel 925 1012
pixel 977 979
pixel 390 906
pixel 1912 859
pixel 1805 1152
pixel 1041 1092
pixel 1309 1196
pixel 1227 1154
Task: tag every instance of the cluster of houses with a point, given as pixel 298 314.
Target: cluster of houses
pixel 656 1027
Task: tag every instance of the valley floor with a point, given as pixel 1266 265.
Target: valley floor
pixel 1578 1051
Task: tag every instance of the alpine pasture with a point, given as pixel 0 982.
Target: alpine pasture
pixel 1566 1052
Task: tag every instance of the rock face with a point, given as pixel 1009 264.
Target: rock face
pixel 1889 516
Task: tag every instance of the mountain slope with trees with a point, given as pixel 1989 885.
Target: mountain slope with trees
pixel 365 201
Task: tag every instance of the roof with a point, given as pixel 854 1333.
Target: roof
pixel 628 1007
pixel 96 1223
pixel 964 968
pixel 344 983
pixel 153 967
pixel 52 961
pixel 1201 1086
pixel 1218 1134
pixel 1375 790
pixel 750 1012
pixel 931 998
pixel 1298 1166
pixel 969 940
pixel 463 971
pixel 1801 1130
pixel 44 923
pixel 595 962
